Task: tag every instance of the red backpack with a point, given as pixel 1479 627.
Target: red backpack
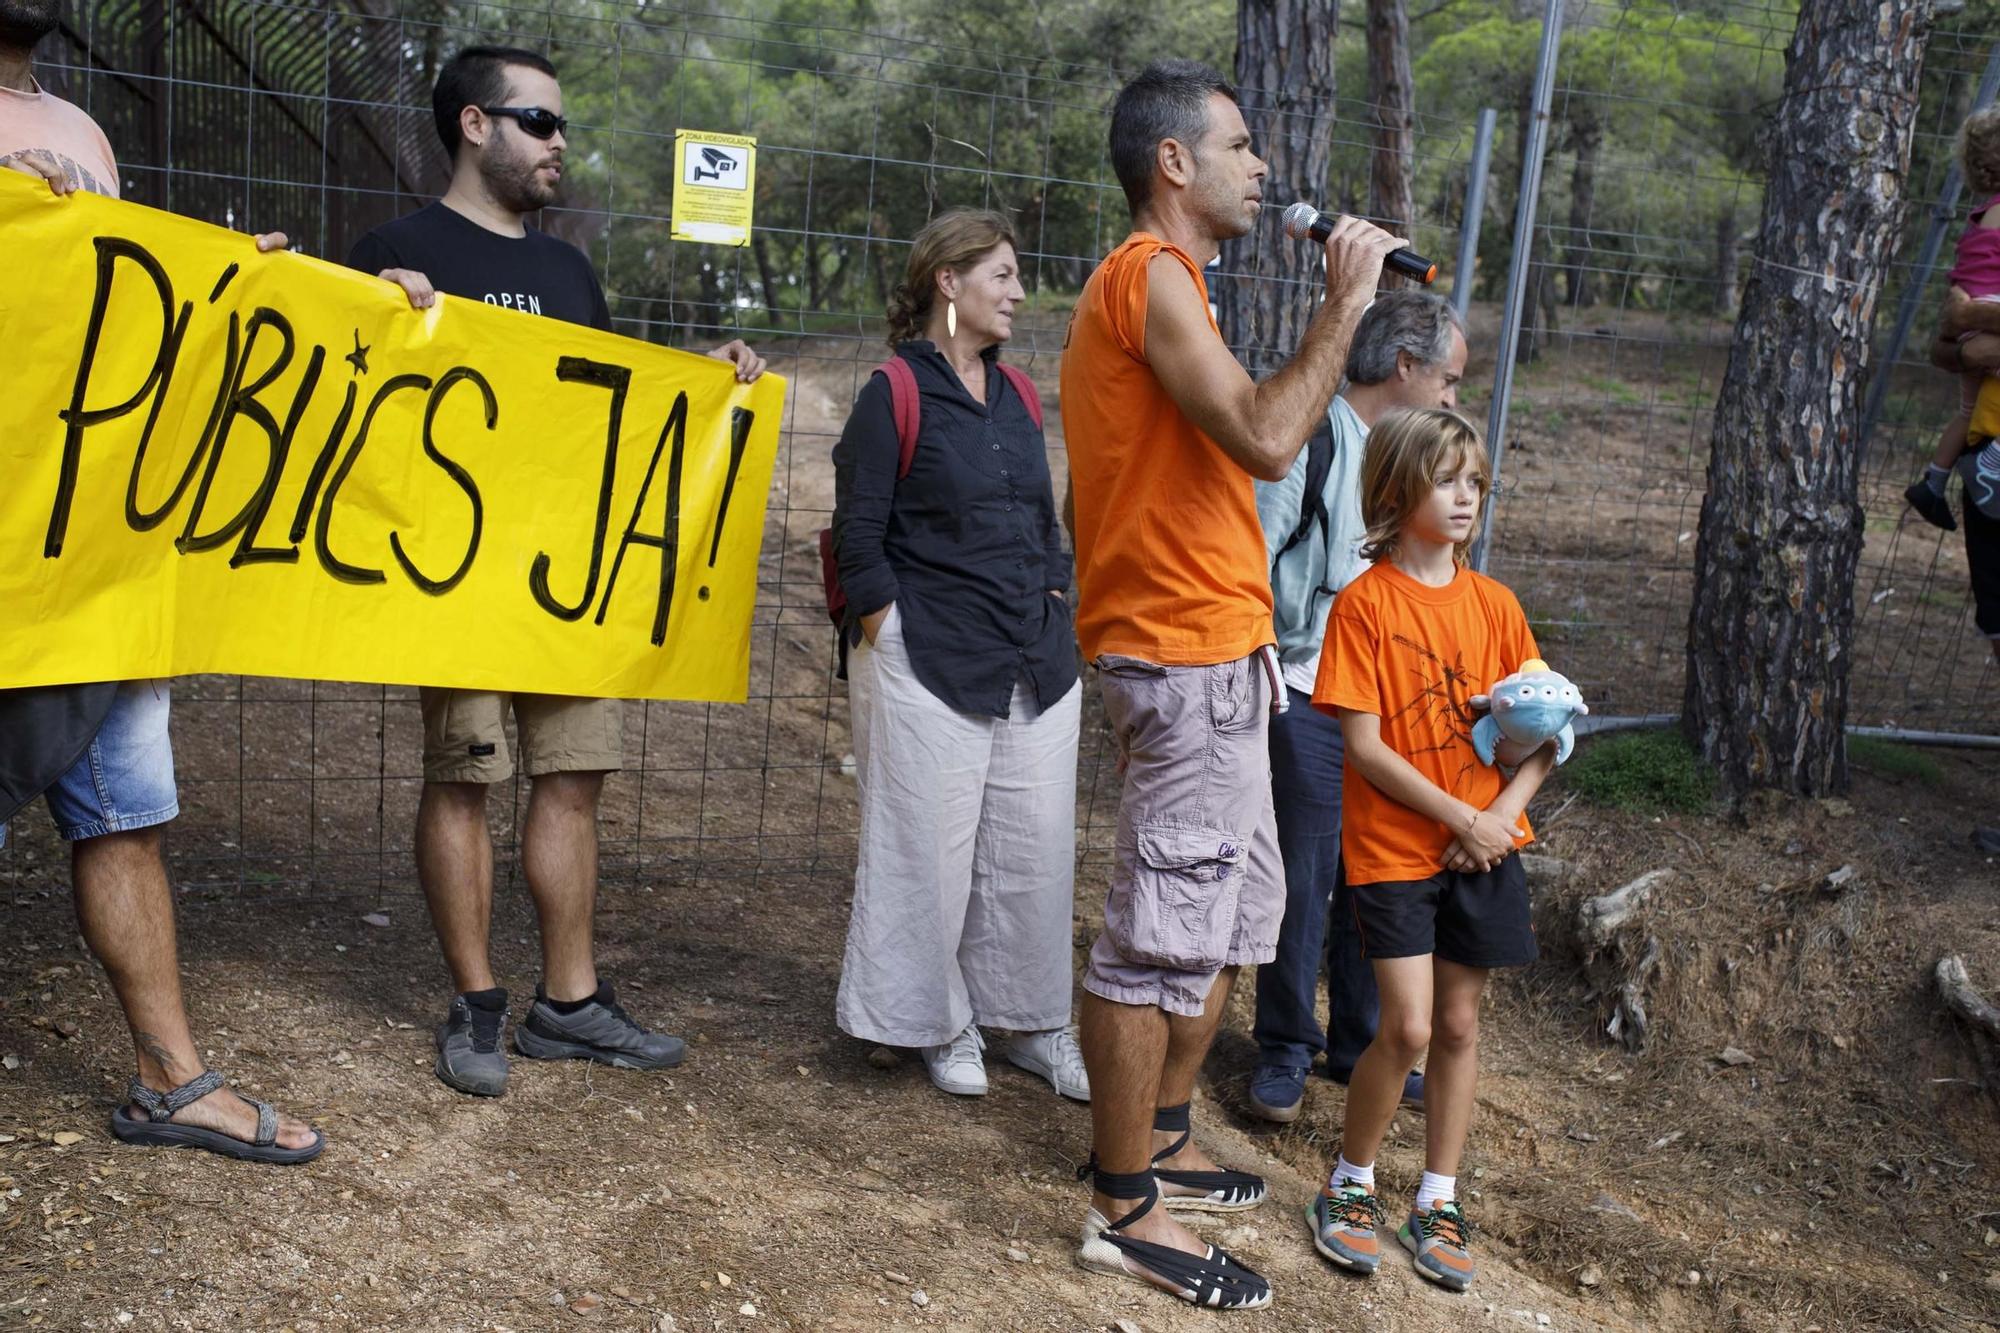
pixel 904 405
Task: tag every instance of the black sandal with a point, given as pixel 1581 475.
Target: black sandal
pixel 156 1129
pixel 1214 1281
pixel 1223 1191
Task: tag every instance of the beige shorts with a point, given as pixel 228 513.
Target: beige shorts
pixel 465 735
pixel 1198 884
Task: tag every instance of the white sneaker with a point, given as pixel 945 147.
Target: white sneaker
pixel 1054 1054
pixel 956 1066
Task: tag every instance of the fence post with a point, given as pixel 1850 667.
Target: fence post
pixel 1475 211
pixel 1518 266
pixel 1920 277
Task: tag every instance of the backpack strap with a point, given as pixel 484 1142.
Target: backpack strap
pixel 1030 395
pixel 1312 502
pixel 905 404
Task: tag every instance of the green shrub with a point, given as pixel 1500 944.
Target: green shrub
pixel 1887 759
pixel 1651 771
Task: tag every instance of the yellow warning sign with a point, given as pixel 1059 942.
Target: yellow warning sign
pixel 715 186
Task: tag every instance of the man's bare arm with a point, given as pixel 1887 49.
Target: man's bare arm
pixel 1260 426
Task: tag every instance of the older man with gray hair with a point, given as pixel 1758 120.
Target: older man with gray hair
pixel 1408 352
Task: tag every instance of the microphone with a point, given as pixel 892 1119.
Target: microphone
pixel 1303 222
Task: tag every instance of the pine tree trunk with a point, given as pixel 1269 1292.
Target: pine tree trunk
pixel 1587 134
pixel 1725 262
pixel 760 245
pixel 1773 617
pixel 1284 67
pixel 1391 201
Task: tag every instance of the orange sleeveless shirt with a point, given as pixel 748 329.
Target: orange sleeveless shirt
pixel 1169 551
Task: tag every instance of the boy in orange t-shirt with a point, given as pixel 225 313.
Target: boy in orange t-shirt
pixel 1429 836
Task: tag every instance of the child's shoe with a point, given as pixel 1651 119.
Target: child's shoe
pixel 1343 1225
pixel 1439 1240
pixel 1932 505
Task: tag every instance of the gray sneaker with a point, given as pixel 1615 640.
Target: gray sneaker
pixel 469 1054
pixel 600 1031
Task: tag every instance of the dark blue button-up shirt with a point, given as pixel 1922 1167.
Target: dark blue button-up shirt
pixel 967 545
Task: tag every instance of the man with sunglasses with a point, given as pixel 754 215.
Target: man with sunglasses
pixel 499 112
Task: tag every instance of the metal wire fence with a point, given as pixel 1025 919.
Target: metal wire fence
pixel 1610 426
pixel 312 116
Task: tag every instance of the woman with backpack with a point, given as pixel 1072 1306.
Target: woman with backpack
pixel 948 577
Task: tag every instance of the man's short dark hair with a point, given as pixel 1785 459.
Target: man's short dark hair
pixel 1166 100
pixel 476 76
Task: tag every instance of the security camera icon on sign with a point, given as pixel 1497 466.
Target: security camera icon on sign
pixel 715 164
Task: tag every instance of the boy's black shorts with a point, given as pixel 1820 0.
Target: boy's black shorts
pixel 1474 920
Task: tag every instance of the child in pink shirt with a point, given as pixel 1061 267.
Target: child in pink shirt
pixel 1975 274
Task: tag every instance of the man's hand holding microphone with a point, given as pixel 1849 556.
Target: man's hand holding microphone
pixel 1303 222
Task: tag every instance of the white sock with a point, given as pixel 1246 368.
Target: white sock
pixel 1347 1173
pixel 1434 1187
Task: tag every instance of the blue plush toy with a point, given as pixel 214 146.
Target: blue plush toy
pixel 1528 708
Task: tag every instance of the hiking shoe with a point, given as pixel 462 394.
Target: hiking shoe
pixel 469 1054
pixel 1054 1054
pixel 1344 1223
pixel 1934 507
pixel 1439 1241
pixel 1277 1092
pixel 956 1066
pixel 600 1031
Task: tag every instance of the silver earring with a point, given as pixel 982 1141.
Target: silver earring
pixel 951 319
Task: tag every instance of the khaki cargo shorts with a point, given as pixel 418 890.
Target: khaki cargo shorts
pixel 1198 884
pixel 465 735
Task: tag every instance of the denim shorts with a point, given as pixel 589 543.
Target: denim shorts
pixel 125 780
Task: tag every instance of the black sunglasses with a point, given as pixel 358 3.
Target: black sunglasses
pixel 534 122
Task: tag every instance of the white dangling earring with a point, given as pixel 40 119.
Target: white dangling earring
pixel 951 319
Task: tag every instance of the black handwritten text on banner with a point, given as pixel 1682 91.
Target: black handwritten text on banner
pixel 217 460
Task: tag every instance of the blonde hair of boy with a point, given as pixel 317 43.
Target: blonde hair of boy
pixel 1406 453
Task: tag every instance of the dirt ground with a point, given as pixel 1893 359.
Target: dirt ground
pixel 1847 1177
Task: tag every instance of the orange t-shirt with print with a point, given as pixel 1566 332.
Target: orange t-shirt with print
pixel 1414 656
pixel 1169 552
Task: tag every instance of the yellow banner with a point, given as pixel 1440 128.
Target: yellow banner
pixel 216 460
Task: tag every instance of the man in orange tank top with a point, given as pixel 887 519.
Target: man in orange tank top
pixel 1166 433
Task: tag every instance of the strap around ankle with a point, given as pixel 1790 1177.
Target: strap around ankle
pixel 1167 1119
pixel 165 1106
pixel 1122 1185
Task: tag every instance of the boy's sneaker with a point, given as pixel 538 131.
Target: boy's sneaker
pixel 1934 507
pixel 1439 1241
pixel 600 1031
pixel 469 1054
pixel 1277 1092
pixel 1344 1223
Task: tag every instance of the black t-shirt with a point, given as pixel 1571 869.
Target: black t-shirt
pixel 536 272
